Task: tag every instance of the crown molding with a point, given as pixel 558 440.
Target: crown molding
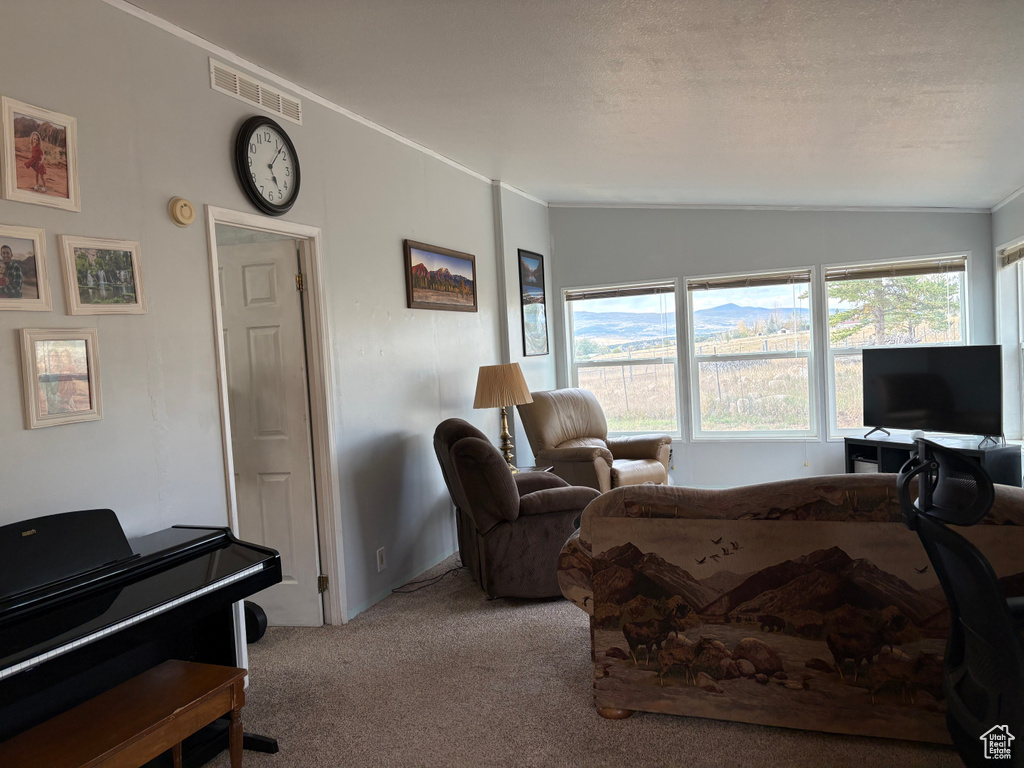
pixel 813 208
pixel 527 195
pixel 1008 199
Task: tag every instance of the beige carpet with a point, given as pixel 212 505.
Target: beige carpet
pixel 444 677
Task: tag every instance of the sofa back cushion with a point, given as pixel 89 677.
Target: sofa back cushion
pixel 447 434
pixel 490 491
pixel 562 415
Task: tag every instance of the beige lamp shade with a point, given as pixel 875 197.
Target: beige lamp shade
pixel 501 385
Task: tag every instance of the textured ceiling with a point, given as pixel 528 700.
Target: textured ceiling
pixel 734 102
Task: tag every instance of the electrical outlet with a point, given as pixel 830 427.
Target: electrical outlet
pixel 381 563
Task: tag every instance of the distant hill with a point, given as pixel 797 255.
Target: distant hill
pixel 641 326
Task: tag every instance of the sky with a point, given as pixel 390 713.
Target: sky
pixel 434 261
pixel 18 244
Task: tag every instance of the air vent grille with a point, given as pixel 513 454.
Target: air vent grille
pixel 239 85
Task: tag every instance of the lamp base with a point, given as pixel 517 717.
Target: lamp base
pixel 506 443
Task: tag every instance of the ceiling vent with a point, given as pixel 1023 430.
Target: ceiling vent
pixel 243 87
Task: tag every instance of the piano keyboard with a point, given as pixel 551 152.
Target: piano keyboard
pixel 61 650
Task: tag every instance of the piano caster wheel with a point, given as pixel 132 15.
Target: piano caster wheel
pixel 255 622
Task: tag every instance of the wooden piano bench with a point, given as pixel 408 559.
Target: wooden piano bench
pixel 131 724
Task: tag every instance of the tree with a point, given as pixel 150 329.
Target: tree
pixel 898 308
pixel 586 347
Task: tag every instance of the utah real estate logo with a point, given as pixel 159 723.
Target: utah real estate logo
pixel 997 742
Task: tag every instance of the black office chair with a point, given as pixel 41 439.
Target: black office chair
pixel 984 662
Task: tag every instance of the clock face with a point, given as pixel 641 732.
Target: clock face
pixel 267 165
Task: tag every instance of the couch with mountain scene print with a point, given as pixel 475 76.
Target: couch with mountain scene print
pixel 801 603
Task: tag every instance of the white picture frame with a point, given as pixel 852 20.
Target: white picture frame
pixel 61 376
pixel 25 248
pixel 101 276
pixel 21 123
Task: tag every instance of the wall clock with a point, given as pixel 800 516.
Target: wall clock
pixel 267 166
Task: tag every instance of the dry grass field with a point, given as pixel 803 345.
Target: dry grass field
pixel 736 395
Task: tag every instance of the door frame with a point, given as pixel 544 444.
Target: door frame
pixel 319 374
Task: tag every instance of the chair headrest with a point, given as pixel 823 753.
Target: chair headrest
pixel 952 488
pixel 560 415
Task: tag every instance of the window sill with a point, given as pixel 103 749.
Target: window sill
pixel 754 438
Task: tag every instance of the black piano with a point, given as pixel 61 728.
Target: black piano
pixel 82 609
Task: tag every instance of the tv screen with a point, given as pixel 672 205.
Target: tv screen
pixel 944 389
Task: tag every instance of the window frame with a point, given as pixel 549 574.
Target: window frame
pixel 833 433
pixel 811 354
pixel 572 367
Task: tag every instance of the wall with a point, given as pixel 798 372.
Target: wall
pixel 1008 222
pixel 149 128
pixel 597 246
pixel 524 224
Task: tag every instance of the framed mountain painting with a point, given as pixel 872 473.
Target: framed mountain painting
pixel 535 320
pixel 439 278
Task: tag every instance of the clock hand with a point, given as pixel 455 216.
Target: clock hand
pixel 271 166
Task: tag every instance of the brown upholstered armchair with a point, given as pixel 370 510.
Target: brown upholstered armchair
pixel 511 527
pixel 567 427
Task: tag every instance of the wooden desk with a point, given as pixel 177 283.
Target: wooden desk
pixel 131 724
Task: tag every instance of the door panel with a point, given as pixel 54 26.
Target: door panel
pixel 264 347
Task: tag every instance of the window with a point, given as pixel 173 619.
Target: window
pixel 751 350
pixel 917 302
pixel 622 347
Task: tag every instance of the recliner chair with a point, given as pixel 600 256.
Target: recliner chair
pixel 567 427
pixel 984 661
pixel 511 528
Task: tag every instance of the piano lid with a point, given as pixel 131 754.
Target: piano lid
pixel 49 549
pixel 175 568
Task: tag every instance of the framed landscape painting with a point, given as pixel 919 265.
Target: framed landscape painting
pixel 23 281
pixel 535 320
pixel 439 278
pixel 102 277
pixel 40 156
pixel 61 375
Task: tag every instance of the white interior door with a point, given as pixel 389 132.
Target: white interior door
pixel 264 347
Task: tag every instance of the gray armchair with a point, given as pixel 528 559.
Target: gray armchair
pixel 567 428
pixel 511 528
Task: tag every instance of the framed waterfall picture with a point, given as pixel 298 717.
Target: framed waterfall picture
pixel 535 320
pixel 102 277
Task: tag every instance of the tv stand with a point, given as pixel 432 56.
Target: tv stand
pixel 879 429
pixel 888 454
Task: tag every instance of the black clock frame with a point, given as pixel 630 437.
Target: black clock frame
pixel 241 166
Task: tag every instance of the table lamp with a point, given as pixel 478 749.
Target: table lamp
pixel 499 386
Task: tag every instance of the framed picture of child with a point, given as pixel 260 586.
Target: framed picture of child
pixel 23 281
pixel 102 277
pixel 40 156
pixel 61 372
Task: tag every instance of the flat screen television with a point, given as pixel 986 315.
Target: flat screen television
pixel 942 389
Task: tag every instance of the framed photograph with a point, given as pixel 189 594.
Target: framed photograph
pixel 23 281
pixel 40 156
pixel 61 373
pixel 438 278
pixel 102 277
pixel 535 318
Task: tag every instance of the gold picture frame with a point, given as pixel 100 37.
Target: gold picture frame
pixel 40 156
pixel 61 376
pixel 24 283
pixel 102 277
